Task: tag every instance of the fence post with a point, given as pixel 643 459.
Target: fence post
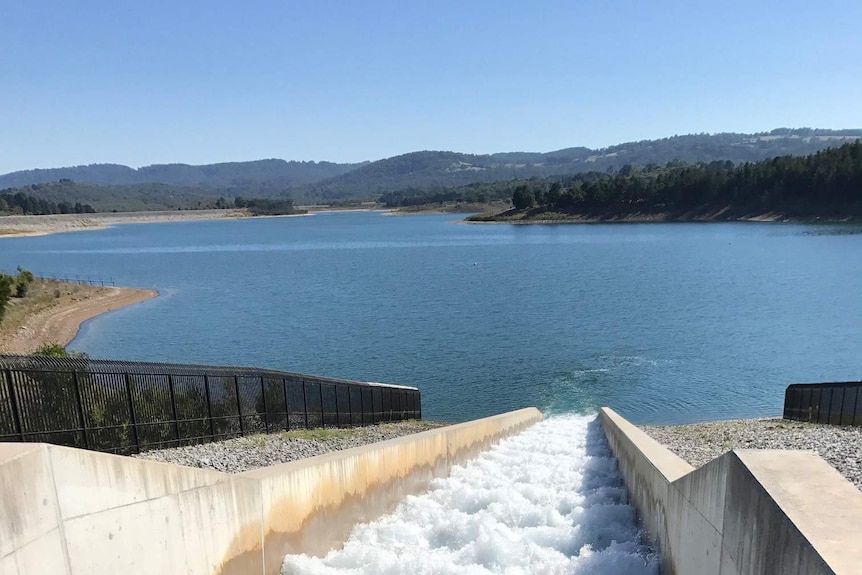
pixel 174 407
pixel 841 407
pixel 286 405
pixel 209 406
pixel 16 414
pixel 361 406
pixel 238 404
pixel 856 405
pixel 132 412
pixel 350 404
pixel 82 419
pixel 305 404
pixel 322 409
pixel 337 412
pixel 263 399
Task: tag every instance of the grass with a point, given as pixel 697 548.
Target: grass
pixel 320 434
pixel 316 434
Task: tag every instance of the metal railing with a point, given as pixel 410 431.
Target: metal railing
pixel 832 403
pixel 76 279
pixel 127 407
pixel 100 281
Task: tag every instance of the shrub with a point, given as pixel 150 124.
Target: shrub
pixel 52 350
pixel 7 286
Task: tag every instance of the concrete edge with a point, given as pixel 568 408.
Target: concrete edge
pixel 817 499
pixel 666 462
pixel 747 511
pixel 78 512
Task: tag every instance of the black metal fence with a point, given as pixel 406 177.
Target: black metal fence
pixel 832 403
pixel 127 407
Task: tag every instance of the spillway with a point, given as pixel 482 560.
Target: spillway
pixel 548 500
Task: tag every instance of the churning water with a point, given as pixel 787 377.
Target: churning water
pixel 548 500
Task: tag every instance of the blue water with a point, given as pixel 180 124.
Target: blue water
pixel 666 323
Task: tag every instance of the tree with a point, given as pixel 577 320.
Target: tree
pixel 7 286
pixel 554 193
pixel 523 197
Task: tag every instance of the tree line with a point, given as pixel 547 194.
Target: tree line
pixel 19 203
pixel 827 183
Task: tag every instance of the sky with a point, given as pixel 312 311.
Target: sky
pixel 155 81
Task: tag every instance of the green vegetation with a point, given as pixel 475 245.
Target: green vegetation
pixel 264 206
pixel 421 172
pixel 318 434
pixel 51 350
pixel 17 286
pixel 17 202
pixel 826 184
pixel 402 180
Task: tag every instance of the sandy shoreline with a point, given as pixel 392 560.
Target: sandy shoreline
pixel 28 226
pixel 23 226
pixel 60 324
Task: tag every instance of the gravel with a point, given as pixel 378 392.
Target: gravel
pixel 245 453
pixel 701 442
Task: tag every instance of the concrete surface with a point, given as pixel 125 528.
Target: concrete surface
pixel 65 510
pixel 746 512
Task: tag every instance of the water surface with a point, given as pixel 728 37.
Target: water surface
pixel 665 322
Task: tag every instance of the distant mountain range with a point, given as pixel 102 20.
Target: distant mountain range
pixel 287 174
pixel 112 186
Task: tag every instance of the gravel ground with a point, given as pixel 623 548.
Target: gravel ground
pixel 253 451
pixel 701 442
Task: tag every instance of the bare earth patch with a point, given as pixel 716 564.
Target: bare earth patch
pixel 53 313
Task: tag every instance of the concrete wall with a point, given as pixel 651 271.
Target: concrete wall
pixel 65 510
pixel 746 512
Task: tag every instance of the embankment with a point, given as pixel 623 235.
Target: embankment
pixel 17 226
pixel 36 321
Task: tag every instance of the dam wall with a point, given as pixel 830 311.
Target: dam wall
pixel 73 511
pixel 746 512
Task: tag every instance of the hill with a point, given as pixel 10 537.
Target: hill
pixel 225 175
pixel 420 171
pixel 170 186
pixel 827 185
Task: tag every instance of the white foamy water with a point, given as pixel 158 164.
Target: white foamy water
pixel 548 500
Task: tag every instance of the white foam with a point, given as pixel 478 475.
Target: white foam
pixel 548 500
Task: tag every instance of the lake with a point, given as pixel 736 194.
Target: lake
pixel 667 323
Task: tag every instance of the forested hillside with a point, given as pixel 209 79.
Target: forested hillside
pixel 419 172
pixel 179 186
pixel 132 198
pixel 19 203
pixel 825 184
pixel 225 175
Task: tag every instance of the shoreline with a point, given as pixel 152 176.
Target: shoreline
pixel 61 324
pixel 32 226
pixel 667 218
pixel 46 225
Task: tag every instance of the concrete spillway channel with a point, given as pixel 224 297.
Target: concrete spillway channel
pixel 506 494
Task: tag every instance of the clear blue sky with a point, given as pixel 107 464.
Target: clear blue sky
pixel 156 81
